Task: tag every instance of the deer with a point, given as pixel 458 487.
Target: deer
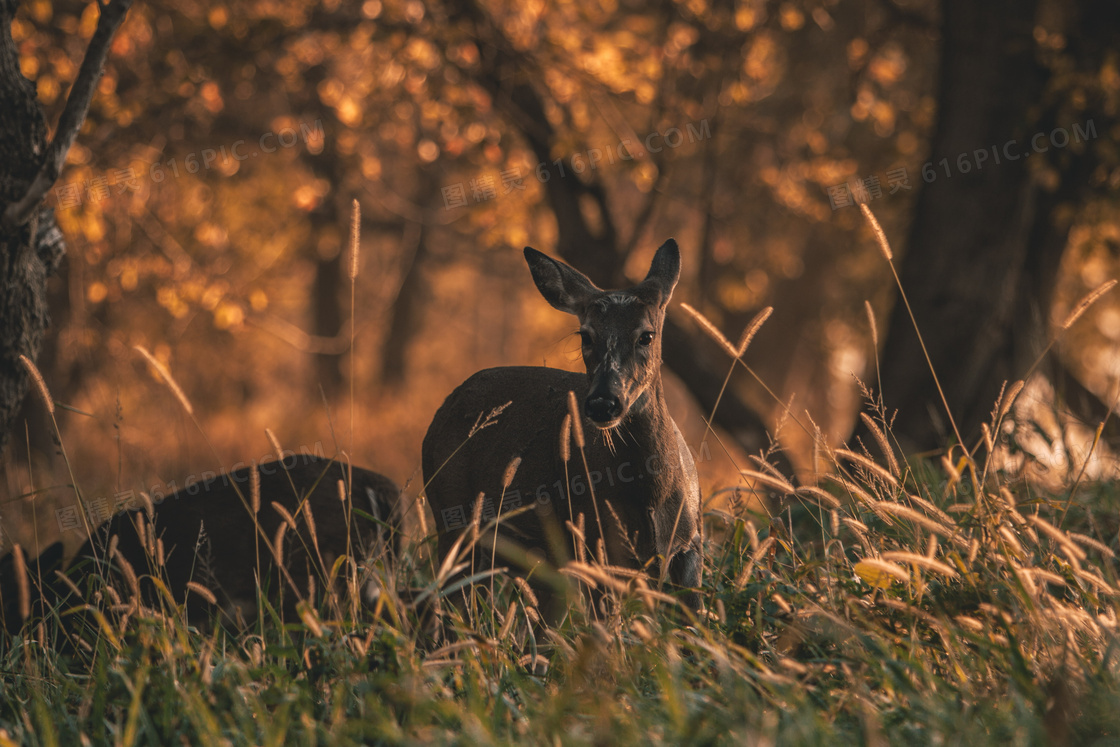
pixel 499 445
pixel 214 543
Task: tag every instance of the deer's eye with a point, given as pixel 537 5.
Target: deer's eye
pixel 585 338
pixel 645 339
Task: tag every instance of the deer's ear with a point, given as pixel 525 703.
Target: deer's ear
pixel 665 270
pixel 563 287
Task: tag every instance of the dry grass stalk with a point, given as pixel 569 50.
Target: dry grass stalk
pixel 526 591
pixel 1100 547
pixel 565 438
pixel 869 465
pixel 129 574
pixel 884 445
pixel 510 473
pixel 142 534
pixel 909 514
pixel 768 480
pixel 255 490
pixel 752 329
pixel 40 384
pixel 986 432
pixel 883 567
pixel 929 564
pixel 857 492
pixel 1013 542
pixel 68 583
pixel 149 507
pixel 931 509
pixel 278 544
pixel 355 238
pixel 310 519
pixel 1084 304
pixel 1009 399
pixel 168 379
pixel 287 517
pixel 577 420
pixel 1064 541
pixel 710 328
pixel 950 470
pixel 880 236
pixel 22 581
pixel 275 443
pixel 763 548
pixel 822 497
pixel 202 591
pixel 1038 574
pixel 871 323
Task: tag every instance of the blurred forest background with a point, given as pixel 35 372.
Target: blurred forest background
pixel 206 203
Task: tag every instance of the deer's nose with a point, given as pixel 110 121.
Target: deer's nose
pixel 603 408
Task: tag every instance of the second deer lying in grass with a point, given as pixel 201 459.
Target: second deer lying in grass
pixel 210 544
pixel 501 441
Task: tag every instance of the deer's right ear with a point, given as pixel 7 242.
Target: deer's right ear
pixel 563 287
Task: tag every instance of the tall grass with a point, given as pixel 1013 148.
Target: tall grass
pixel 880 608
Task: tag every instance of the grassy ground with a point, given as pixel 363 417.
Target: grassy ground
pixel 895 604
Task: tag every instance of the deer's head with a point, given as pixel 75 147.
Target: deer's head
pixel 620 330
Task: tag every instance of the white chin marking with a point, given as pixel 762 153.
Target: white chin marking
pixel 607 425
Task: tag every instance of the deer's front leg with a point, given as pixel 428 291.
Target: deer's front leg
pixel 685 571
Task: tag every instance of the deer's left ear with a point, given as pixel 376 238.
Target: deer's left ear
pixel 665 270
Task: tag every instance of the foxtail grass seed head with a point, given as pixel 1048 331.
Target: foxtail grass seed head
pixel 278 543
pixel 275 443
pixel 871 323
pixel 202 591
pixel 168 379
pixel 129 574
pixel 310 519
pixel 884 444
pixel 986 432
pixel 884 245
pixel 287 517
pixel 577 420
pixel 510 473
pixel 255 489
pixel 1009 398
pixel 41 385
pixel 355 238
pixel 160 557
pixel 149 507
pixel 1084 304
pixel 710 328
pixel 566 438
pixel 342 491
pixel 476 518
pixel 22 582
pixel 752 329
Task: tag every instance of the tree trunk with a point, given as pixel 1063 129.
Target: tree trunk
pixel 987 239
pixel 32 251
pixel 968 269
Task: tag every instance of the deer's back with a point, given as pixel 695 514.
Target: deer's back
pixel 210 537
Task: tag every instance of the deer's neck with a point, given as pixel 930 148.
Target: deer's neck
pixel 648 426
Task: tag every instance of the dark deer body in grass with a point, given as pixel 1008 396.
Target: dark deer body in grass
pixel 207 536
pixel 639 491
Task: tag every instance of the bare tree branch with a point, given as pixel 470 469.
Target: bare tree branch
pixel 73 115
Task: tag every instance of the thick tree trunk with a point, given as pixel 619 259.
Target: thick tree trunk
pixel 25 258
pixel 31 245
pixel 969 272
pixel 987 238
